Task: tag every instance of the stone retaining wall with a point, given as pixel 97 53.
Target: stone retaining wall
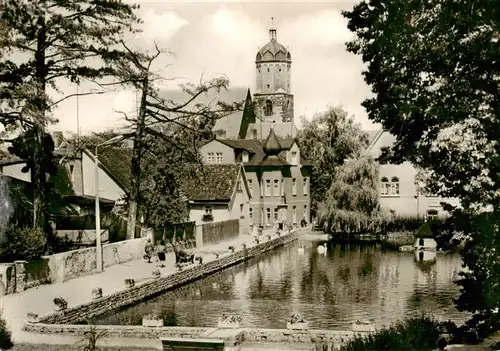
pixel 335 337
pixel 145 290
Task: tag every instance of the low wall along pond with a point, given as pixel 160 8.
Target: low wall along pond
pixel 150 288
pixel 65 321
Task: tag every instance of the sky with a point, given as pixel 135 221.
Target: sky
pixel 208 39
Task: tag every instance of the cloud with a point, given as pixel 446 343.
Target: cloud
pixel 223 40
pixel 161 26
pixel 322 28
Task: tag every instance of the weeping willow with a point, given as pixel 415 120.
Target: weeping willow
pixel 351 204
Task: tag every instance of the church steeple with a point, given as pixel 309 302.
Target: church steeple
pixel 272 30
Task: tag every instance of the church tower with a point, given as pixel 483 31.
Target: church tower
pixel 273 100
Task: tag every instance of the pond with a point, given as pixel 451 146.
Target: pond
pixel 331 291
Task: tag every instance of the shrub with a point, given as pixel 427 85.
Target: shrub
pixel 5 336
pixel 22 244
pixel 419 333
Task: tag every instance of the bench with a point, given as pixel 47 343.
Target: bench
pixel 180 344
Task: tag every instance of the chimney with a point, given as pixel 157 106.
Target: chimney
pixel 58 138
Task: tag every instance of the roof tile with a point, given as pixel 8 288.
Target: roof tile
pixel 212 183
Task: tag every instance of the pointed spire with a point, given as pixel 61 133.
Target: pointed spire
pixel 272 30
pixel 272 145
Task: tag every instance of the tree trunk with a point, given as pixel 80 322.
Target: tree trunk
pixel 38 176
pixel 135 168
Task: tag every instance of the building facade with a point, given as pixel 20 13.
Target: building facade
pixel 219 193
pixel 278 178
pixel 400 190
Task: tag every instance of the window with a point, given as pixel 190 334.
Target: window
pixel 294 157
pixel 207 216
pixel 276 187
pixel 384 186
pixel 250 185
pixel 305 212
pixel 254 133
pixel 244 157
pixel 211 157
pixel 268 85
pixel 268 187
pixel 268 110
pixel 268 70
pixel 282 187
pixel 242 213
pixel 250 213
pixel 305 186
pixel 432 214
pixel 219 157
pixel 72 172
pixel 276 214
pixel 294 187
pixel 268 214
pixel 261 183
pixel 239 186
pixel 294 214
pixel 395 186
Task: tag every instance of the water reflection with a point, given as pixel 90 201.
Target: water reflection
pixel 350 282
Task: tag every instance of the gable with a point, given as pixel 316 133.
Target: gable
pixel 382 139
pixel 216 146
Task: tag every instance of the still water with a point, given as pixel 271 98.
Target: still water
pixel 331 291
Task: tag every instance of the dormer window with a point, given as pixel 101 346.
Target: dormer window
pixel 244 157
pixel 294 158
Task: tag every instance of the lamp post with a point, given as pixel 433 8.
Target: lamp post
pixel 417 197
pixel 98 243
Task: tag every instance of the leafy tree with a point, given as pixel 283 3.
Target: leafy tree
pixel 5 335
pixel 22 243
pixel 351 204
pixel 434 70
pixel 327 140
pixel 53 40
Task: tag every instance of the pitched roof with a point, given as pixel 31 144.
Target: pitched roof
pixel 274 160
pixel 373 137
pixel 272 145
pixel 248 116
pixel 231 123
pixel 287 143
pixel 116 162
pixel 213 182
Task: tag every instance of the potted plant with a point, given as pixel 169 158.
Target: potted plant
pixel 61 303
pixel 296 322
pixel 156 273
pixel 129 283
pixel 152 320
pixel 231 248
pixel 257 240
pixel 229 321
pixel 32 317
pixel 96 293
pixel 199 259
pixel 244 246
pixel 216 255
pixel 268 236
